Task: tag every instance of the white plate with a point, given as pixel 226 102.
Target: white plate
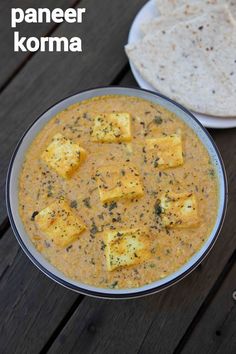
pixel 148 12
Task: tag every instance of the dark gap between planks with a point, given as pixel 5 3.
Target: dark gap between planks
pixel 62 324
pixel 4 227
pixel 30 55
pixel 212 293
pixel 123 72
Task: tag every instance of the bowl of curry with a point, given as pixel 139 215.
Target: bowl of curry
pixel 116 192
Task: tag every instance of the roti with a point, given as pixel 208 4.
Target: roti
pixel 178 60
pixel 167 7
pixel 183 13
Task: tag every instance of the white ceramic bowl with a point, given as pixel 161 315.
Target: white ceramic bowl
pixel 49 269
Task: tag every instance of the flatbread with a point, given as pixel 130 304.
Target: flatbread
pixel 177 63
pixel 224 57
pixel 232 7
pixel 183 13
pixel 211 28
pixel 168 7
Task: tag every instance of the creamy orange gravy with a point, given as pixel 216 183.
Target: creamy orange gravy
pixel 84 259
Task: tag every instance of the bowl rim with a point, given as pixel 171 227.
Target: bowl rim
pixel 99 293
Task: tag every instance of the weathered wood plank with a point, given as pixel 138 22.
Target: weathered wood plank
pixel 31 305
pixel 4 226
pixel 8 252
pixel 107 327
pixel 10 61
pixel 156 323
pixel 216 330
pixel 48 77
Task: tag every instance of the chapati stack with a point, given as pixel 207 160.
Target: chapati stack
pixel 189 54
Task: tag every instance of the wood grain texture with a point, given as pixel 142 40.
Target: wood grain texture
pixel 48 77
pixel 107 326
pixel 216 331
pixel 9 250
pixel 160 315
pixel 31 305
pixel 10 61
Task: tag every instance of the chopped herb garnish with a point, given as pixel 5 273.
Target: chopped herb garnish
pixel 94 229
pixel 86 202
pixel 92 261
pixel 155 163
pixel 100 216
pixel 49 190
pixel 112 206
pixel 157 208
pixel 33 215
pixel 114 284
pixel 73 204
pixel 211 172
pixel 103 246
pixel 158 120
pixel 152 265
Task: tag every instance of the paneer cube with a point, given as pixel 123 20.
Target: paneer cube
pixel 63 156
pixel 179 210
pixel 60 223
pixel 112 128
pixel 126 248
pixel 116 182
pixel 165 151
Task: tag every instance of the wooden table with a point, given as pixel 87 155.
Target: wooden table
pixel 198 315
